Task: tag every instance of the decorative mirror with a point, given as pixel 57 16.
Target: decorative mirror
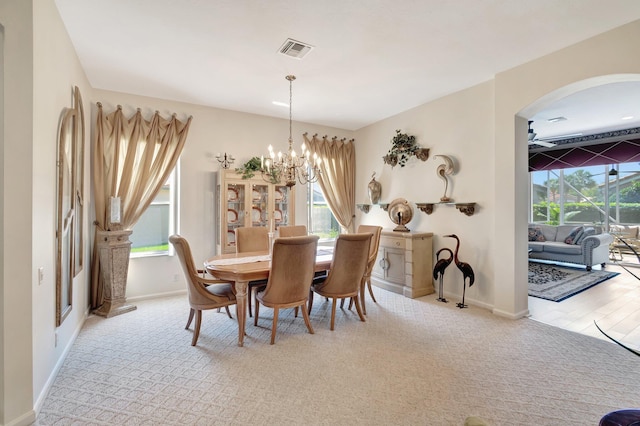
pixel 70 189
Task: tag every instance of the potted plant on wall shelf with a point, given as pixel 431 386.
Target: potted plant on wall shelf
pixel 403 146
pixel 253 166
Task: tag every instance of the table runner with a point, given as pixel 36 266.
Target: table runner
pixel 238 260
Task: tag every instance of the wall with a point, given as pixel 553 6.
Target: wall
pixel 460 126
pixel 56 71
pixel 212 130
pixel 17 387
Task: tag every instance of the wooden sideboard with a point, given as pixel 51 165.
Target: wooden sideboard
pixel 405 263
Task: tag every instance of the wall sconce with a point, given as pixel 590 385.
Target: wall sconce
pixel 225 160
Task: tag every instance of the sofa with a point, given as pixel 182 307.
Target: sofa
pixel 579 244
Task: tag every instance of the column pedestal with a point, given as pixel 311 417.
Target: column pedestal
pixel 114 248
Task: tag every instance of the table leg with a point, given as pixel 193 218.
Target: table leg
pixel 241 305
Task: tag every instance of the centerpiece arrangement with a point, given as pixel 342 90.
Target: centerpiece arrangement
pixel 403 147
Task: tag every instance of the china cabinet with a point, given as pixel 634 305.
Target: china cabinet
pixel 250 202
pixel 404 263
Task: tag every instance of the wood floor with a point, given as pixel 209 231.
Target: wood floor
pixel 614 304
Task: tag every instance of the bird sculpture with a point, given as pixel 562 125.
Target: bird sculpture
pixel 465 268
pixel 438 271
pixel 445 169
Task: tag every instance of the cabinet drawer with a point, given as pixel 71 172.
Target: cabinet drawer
pixel 392 242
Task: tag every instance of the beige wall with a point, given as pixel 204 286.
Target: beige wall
pixel 56 71
pixel 15 284
pixel 460 126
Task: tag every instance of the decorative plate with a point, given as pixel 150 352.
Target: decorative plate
pixel 232 194
pixel 279 195
pixel 256 214
pixel 256 195
pixel 231 237
pixel 277 215
pixel 232 216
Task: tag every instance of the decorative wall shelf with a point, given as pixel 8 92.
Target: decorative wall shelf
pixel 466 208
pixel 365 208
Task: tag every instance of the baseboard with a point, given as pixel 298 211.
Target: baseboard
pixel 54 373
pixel 509 315
pixel 157 295
pixel 24 420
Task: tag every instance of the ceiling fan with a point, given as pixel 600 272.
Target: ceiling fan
pixel 533 141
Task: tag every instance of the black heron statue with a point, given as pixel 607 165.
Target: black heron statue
pixel 438 271
pixel 465 268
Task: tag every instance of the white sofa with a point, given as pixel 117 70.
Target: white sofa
pixel 549 242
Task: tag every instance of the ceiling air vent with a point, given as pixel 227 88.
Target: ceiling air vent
pixel 295 49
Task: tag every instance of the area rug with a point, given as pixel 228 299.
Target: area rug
pixel 557 283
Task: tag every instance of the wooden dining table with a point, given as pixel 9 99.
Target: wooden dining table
pixel 240 268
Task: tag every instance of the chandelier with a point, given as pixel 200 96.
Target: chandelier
pixel 288 166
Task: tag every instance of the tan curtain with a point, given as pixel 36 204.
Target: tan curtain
pixel 132 159
pixel 338 178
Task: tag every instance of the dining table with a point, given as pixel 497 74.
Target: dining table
pixel 241 268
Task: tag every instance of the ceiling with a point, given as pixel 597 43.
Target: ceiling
pixel 371 58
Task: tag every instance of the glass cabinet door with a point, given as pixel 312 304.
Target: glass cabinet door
pixel 281 197
pixel 235 200
pixel 259 205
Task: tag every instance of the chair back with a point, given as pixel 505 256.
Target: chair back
pixel 375 243
pixel 252 238
pixel 292 265
pixel 348 266
pixel 292 231
pixel 199 297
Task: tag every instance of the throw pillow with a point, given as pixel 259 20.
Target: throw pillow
pixel 574 235
pixel 535 234
pixel 587 231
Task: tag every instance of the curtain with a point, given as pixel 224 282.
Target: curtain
pixel 338 177
pixel 132 159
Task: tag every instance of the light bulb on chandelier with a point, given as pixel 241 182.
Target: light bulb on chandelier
pixel 288 166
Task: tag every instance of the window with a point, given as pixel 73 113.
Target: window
pixel 150 235
pixel 321 221
pixel 605 194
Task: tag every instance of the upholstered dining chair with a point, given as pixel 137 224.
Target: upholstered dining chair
pixel 252 238
pixel 346 272
pixel 375 231
pixel 293 262
pixel 292 231
pixel 203 293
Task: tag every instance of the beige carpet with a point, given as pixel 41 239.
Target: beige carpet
pixel 414 362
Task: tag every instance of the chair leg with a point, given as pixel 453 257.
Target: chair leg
pixel 255 317
pixel 306 319
pixel 310 301
pixel 364 309
pixel 342 303
pixel 333 312
pixel 295 312
pixel 228 312
pixel 371 290
pixel 357 302
pixel 196 332
pixel 275 325
pixel 191 312
pixel 249 292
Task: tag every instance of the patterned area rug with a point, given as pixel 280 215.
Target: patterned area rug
pixel 557 283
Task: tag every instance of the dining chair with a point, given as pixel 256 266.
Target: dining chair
pixel 346 272
pixel 375 231
pixel 204 293
pixel 252 238
pixel 293 262
pixel 292 231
